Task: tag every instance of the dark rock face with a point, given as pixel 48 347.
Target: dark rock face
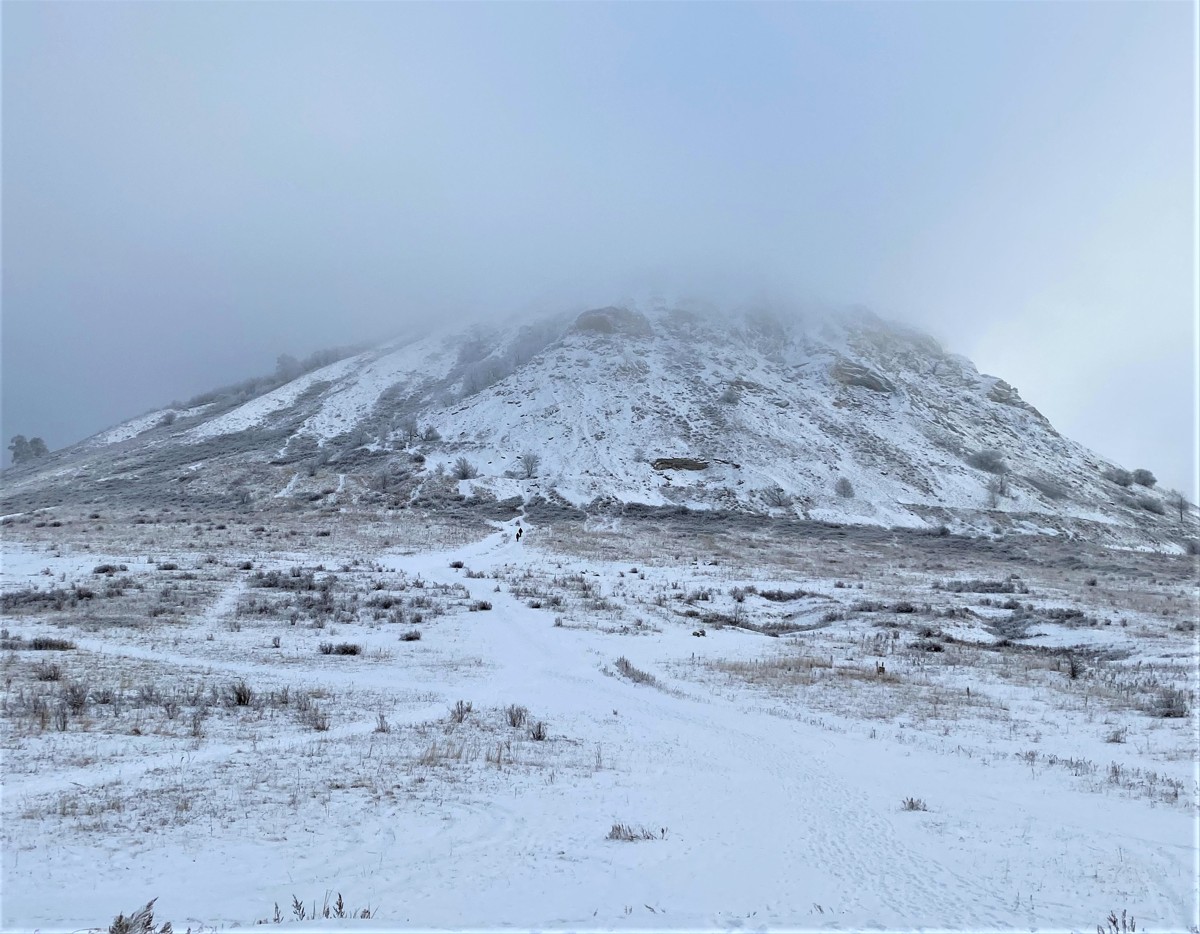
pixel 1005 394
pixel 679 463
pixel 613 320
pixel 854 374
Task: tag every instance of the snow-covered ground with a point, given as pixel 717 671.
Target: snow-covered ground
pixel 865 737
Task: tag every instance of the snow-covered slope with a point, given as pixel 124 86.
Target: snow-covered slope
pixel 832 416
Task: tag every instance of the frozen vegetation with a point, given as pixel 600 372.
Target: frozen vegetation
pixel 303 714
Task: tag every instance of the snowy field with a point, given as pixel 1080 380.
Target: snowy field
pixel 605 725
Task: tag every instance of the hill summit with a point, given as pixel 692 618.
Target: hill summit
pixel 836 417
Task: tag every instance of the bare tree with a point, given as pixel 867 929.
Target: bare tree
pixel 409 430
pixel 1176 500
pixel 529 465
pixel 776 497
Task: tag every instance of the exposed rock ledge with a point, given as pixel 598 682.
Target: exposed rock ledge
pixel 854 374
pixel 679 463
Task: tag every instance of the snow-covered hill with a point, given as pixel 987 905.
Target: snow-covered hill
pixel 830 416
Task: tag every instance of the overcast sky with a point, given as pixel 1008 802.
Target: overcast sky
pixel 190 190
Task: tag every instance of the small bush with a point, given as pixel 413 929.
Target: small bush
pixel 413 635
pixel 988 459
pixel 48 644
pixel 913 804
pixel 516 715
pixel 1118 476
pixel 1170 702
pixel 241 693
pixel 782 596
pixel 341 648
pixel 44 671
pixel 1051 489
pixel 314 717
pixel 1150 504
pixel 464 470
pixel 460 711
pixel 457 565
pixel 538 731
pixel 1143 477
pixel 480 605
pixel 844 488
pixel 982 586
pixel 75 696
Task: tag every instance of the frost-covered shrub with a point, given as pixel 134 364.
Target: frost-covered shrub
pixel 1150 504
pixel 988 459
pixel 517 715
pixel 1170 702
pixel 241 694
pixel 1143 477
pixel 1118 476
pixel 1051 489
pixel 341 648
pixel 464 470
pixel 844 488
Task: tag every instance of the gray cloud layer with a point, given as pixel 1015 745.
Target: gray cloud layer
pixel 191 189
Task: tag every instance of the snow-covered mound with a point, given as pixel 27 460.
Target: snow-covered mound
pixel 831 416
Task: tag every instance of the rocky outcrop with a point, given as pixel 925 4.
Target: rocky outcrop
pixel 679 463
pixel 612 320
pixel 1006 394
pixel 855 374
